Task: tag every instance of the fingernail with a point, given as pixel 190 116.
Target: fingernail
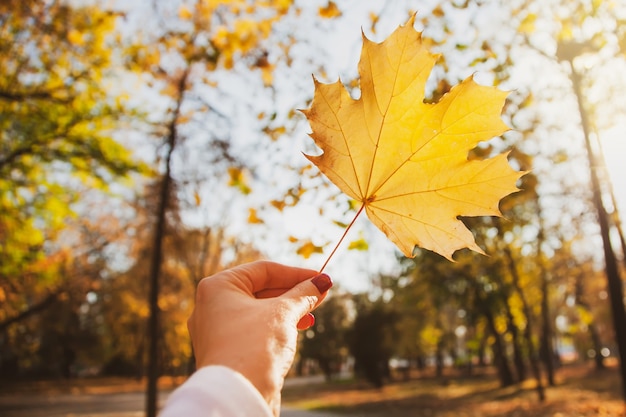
pixel 322 282
pixel 311 320
pixel 306 322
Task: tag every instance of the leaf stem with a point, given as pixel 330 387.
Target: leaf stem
pixel 343 237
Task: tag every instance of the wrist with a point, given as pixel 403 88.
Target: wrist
pixel 267 383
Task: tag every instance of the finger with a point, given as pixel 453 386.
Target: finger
pixel 271 292
pixel 260 276
pixel 306 296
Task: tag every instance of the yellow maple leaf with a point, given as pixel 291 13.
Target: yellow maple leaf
pixel 405 160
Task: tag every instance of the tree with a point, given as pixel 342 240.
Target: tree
pixel 327 342
pixel 180 55
pixel 596 48
pixel 57 117
pixel 613 276
pixel 66 339
pixel 371 339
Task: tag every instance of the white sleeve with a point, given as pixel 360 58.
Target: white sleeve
pixel 216 391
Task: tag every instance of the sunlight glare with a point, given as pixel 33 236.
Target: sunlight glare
pixel 614 148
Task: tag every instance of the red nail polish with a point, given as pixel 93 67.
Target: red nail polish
pixel 322 282
pixel 311 320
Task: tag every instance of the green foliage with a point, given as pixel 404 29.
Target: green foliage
pixel 56 121
pixel 327 341
pixel 372 339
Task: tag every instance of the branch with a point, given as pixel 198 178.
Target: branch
pixel 34 95
pixel 32 310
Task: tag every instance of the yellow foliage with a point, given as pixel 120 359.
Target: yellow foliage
pixel 308 249
pixel 430 335
pixel 528 23
pixel 253 218
pixel 247 23
pixel 238 180
pixel 184 13
pixel 359 244
pixel 278 204
pixel 33 209
pixel 374 21
pixel 276 132
pixel 330 10
pixel 517 310
pixel 267 74
pixel 567 31
pixel 406 160
pixel 438 12
pixel 584 315
pixel 75 37
pixel 500 324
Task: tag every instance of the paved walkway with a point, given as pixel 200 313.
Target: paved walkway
pixel 130 404
pixel 291 412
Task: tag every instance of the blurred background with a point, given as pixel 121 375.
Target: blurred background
pixel 147 144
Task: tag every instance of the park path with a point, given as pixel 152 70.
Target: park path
pixel 128 404
pixel 292 412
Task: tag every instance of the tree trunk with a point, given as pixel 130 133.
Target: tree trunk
pixel 615 216
pixel 327 370
pixel 155 265
pixel 439 359
pixel 547 347
pixel 518 357
pixel 593 331
pixel 481 351
pixel 502 365
pixel 528 334
pixel 614 281
pixel 597 346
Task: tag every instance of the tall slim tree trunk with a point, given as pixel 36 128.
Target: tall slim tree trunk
pixel 499 356
pixel 157 255
pixel 579 291
pixel 547 348
pixel 439 359
pixel 615 216
pixel 518 358
pixel 614 281
pixel 528 334
pixel 481 350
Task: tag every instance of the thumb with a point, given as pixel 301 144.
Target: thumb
pixel 307 295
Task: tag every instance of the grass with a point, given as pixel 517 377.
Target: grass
pixel 579 392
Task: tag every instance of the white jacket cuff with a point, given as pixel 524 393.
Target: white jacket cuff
pixel 216 391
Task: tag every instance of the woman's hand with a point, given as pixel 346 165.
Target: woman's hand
pixel 246 318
